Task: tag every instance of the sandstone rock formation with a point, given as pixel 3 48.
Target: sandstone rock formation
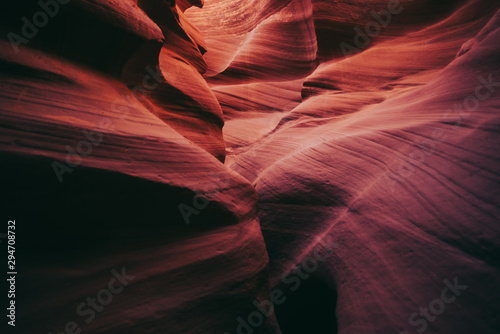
pixel 172 166
pixel 110 163
pixel 388 152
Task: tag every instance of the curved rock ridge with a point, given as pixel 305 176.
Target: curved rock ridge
pixel 358 192
pixel 338 22
pixel 269 40
pixel 259 41
pixel 98 184
pixel 220 18
pixel 419 55
pixel 412 57
pixel 403 181
pixel 113 166
pixel 127 40
pixel 183 99
pixel 355 82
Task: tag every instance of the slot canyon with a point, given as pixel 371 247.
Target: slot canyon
pixel 250 166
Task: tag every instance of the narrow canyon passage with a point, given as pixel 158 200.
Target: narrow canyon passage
pixel 250 167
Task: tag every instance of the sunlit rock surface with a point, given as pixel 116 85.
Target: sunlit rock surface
pixel 211 149
pixel 113 163
pixel 375 155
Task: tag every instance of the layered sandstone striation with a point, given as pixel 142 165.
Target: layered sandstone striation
pixel 390 153
pixel 111 143
pixel 193 159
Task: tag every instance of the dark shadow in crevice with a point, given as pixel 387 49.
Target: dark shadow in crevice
pixel 308 309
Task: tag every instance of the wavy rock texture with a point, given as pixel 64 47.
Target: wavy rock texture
pixel 335 21
pixel 114 158
pixel 255 40
pixel 375 155
pixel 100 148
pixel 120 39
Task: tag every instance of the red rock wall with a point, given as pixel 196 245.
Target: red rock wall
pixel 113 163
pixel 356 187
